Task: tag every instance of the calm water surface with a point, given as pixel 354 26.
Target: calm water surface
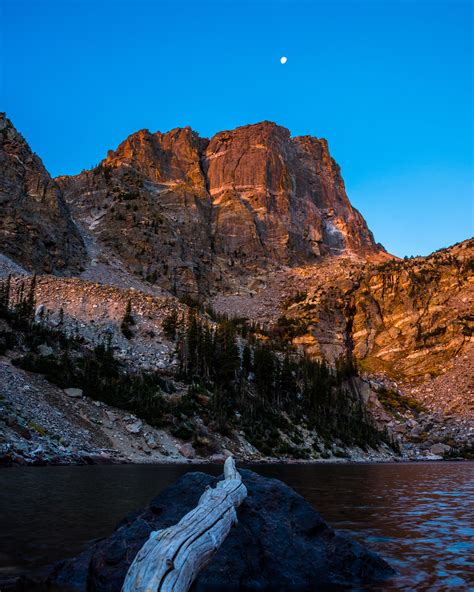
pixel 420 517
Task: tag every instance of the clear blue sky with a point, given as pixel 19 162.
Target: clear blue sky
pixel 387 82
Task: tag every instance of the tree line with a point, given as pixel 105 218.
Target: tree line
pixel 252 381
pixel 259 385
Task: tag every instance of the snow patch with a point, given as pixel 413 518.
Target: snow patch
pixel 335 237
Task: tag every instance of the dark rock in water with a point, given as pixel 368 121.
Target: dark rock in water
pixel 280 544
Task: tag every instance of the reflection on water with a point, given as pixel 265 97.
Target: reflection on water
pixel 420 517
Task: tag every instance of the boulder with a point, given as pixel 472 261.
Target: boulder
pixel 40 310
pixel 280 544
pixel 151 441
pixel 44 350
pixel 217 458
pixel 110 416
pixel 440 449
pixel 73 392
pixel 135 427
pixel 187 450
pixel 203 400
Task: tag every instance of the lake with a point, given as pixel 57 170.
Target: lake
pixel 419 517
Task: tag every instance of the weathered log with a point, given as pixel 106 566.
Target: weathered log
pixel 172 558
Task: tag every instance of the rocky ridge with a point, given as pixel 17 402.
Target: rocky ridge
pixel 93 312
pixel 206 216
pixel 36 228
pixel 410 321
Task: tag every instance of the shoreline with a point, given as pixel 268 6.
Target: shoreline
pixel 248 463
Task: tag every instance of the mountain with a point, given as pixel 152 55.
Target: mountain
pixel 36 229
pixel 225 296
pixel 204 216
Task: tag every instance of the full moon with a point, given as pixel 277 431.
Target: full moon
pixel 283 60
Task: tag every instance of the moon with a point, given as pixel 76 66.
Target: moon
pixel 283 60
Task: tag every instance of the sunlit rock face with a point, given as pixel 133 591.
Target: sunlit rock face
pixel 36 229
pixel 283 197
pixel 200 216
pixel 408 320
pixel 413 320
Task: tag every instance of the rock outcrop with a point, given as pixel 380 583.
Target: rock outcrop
pixel 410 321
pixel 36 229
pixel 201 217
pixel 415 315
pixel 413 321
pixel 280 544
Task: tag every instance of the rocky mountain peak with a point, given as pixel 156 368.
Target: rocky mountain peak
pixel 161 157
pixel 199 214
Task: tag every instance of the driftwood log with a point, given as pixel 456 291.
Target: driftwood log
pixel 172 558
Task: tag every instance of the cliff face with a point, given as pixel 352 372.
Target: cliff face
pixel 415 314
pixel 410 321
pixel 202 216
pixel 413 321
pixel 36 229
pixel 280 197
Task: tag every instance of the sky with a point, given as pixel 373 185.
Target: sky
pixel 387 82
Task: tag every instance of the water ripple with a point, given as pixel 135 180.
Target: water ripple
pixel 420 517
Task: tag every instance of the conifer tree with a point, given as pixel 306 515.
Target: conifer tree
pixel 264 362
pixel 170 325
pixel 192 343
pixel 30 299
pixel 227 360
pixel 5 295
pixel 246 360
pixel 127 321
pixel 286 386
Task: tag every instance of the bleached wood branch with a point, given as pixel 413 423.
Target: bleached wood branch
pixel 172 558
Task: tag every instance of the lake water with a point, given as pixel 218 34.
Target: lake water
pixel 419 517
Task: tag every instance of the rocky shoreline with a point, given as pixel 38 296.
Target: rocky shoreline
pixel 41 424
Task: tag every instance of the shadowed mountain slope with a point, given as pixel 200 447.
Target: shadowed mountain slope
pixel 36 229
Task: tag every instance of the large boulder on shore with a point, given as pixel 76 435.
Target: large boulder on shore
pixel 280 544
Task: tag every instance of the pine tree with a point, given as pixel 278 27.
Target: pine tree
pixel 192 343
pixel 208 351
pixel 226 361
pixel 222 409
pixel 265 364
pixel 170 325
pixel 24 308
pixel 127 321
pixel 246 360
pixel 286 385
pixel 30 299
pixel 5 295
